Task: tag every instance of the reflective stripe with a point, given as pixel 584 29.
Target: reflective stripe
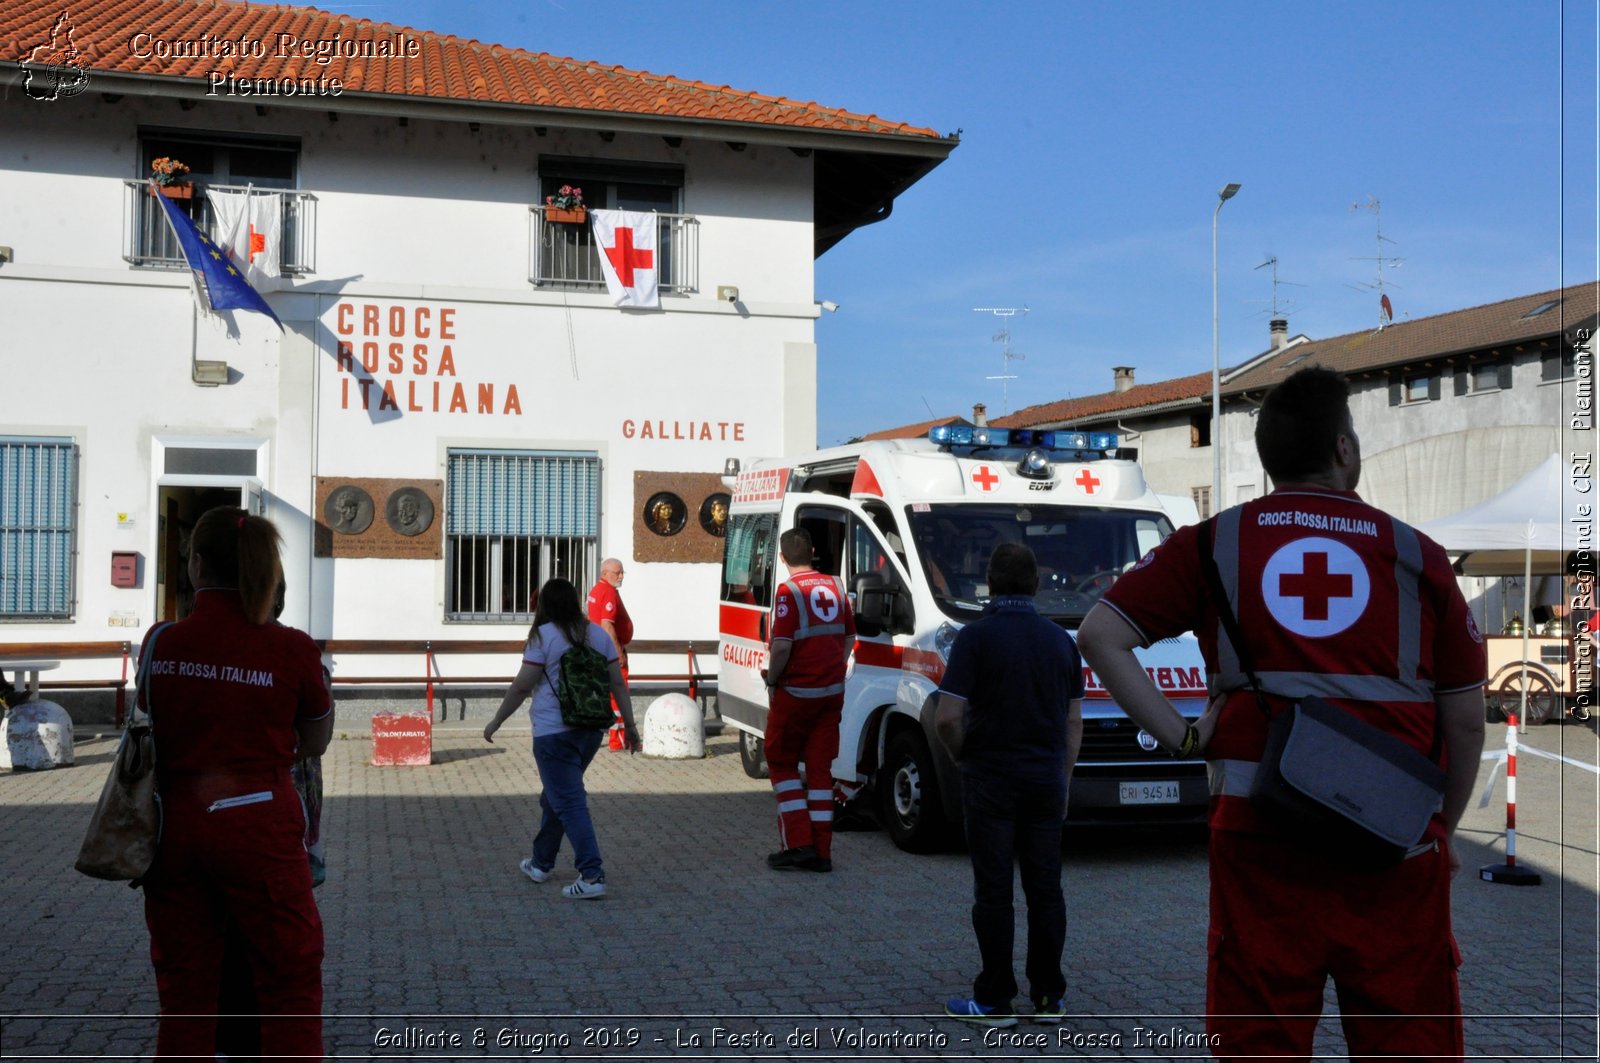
pixel 791 806
pixel 1225 548
pixel 1407 575
pixel 814 692
pixel 821 815
pixel 1230 778
pixel 786 785
pixel 820 795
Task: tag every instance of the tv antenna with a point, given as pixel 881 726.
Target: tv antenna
pixel 1007 355
pixel 1278 309
pixel 1385 307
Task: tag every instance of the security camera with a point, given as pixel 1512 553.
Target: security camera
pixel 829 305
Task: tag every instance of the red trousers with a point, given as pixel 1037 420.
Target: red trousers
pixel 1283 922
pixel 616 737
pixel 244 865
pixel 803 730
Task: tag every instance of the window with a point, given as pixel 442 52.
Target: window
pixel 1413 385
pixel 514 519
pixel 1200 429
pixel 232 164
pixel 748 558
pixel 38 522
pixel 1490 376
pixel 1202 501
pixel 565 254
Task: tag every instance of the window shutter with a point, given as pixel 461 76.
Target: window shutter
pixel 1433 388
pixel 1463 379
pixel 1505 375
pixel 1397 392
pixel 1550 365
pixel 512 493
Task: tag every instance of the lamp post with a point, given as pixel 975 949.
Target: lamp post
pixel 1227 193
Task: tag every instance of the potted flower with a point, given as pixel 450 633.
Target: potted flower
pixel 566 205
pixel 170 177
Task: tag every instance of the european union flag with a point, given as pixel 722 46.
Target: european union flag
pixel 225 286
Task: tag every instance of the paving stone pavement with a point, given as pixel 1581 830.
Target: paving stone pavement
pixel 437 947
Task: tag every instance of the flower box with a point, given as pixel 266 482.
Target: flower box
pixel 570 215
pixel 184 190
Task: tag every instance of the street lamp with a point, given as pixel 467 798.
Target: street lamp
pixel 1227 193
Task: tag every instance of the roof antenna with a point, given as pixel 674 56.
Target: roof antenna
pixel 1278 310
pixel 1007 355
pixel 1385 308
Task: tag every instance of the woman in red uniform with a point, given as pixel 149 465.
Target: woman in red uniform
pixel 233 699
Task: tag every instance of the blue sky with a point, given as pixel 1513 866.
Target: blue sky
pixel 1095 136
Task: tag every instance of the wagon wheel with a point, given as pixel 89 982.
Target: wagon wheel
pixel 1506 689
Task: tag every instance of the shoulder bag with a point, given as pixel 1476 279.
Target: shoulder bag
pixel 1357 794
pixel 120 844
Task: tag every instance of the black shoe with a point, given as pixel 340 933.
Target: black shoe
pixel 855 816
pixel 803 858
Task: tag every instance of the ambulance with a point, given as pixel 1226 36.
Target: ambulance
pixel 908 526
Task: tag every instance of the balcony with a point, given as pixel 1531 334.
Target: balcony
pixel 148 241
pixel 564 255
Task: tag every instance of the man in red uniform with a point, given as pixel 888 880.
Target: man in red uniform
pixel 813 632
pixel 1339 600
pixel 607 610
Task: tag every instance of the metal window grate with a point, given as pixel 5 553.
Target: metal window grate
pixel 565 255
pixel 147 239
pixel 38 522
pixel 514 519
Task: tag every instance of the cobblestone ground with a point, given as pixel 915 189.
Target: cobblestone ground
pixel 437 947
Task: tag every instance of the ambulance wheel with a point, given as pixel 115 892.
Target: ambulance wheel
pixel 909 793
pixel 753 755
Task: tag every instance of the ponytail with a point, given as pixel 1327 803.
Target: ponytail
pixel 241 550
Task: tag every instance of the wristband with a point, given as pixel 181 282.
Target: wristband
pixel 1191 742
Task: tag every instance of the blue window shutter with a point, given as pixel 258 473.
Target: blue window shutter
pixel 38 492
pixel 518 493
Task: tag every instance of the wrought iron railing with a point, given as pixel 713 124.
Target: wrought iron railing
pixel 564 254
pixel 147 239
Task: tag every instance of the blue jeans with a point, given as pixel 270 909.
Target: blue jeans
pixel 562 758
pixel 1017 821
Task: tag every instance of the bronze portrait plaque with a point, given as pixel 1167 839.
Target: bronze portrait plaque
pixel 714 514
pixel 409 511
pixel 348 510
pixel 675 516
pixel 665 513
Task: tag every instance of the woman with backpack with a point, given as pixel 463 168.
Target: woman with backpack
pixel 570 715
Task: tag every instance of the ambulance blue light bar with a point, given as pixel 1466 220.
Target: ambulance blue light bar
pixel 966 435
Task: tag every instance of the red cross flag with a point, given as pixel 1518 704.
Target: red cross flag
pixel 249 225
pixel 627 242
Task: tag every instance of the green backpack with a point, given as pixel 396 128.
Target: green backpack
pixel 584 690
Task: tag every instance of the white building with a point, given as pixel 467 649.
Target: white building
pixel 444 341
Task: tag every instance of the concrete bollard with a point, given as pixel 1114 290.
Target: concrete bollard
pixel 36 736
pixel 674 728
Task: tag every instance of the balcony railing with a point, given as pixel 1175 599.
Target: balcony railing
pixel 564 255
pixel 147 239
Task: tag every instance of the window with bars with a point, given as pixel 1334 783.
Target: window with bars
pixel 514 519
pixel 38 525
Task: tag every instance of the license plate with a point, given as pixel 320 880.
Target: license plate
pixel 1148 793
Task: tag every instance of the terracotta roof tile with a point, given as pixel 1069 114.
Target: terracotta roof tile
pixel 445 66
pixel 1138 397
pixel 1495 325
pixel 914 431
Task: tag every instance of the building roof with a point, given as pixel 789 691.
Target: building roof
pixel 914 431
pixel 1493 328
pixel 170 47
pixel 1139 397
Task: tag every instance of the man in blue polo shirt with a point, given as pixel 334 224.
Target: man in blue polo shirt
pixel 1010 711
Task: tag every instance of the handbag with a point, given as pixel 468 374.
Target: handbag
pixel 1360 796
pixel 120 844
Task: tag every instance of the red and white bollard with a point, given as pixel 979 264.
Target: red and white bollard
pixel 1509 873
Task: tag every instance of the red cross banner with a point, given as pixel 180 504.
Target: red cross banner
pixel 250 225
pixel 627 242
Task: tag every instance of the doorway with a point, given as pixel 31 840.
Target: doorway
pixel 179 507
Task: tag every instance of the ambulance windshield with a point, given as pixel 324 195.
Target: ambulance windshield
pixel 1081 550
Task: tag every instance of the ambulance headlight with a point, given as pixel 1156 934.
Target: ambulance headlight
pixel 1035 465
pixel 943 639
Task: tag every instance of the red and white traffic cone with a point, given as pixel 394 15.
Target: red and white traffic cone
pixel 1509 873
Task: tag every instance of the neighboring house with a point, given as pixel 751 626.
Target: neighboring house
pixel 921 428
pixel 455 409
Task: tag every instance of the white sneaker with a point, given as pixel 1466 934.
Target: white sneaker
pixel 583 890
pixel 531 871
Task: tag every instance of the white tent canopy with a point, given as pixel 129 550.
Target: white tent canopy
pixel 1526 527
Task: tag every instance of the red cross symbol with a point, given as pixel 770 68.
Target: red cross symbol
pixel 1316 585
pixel 985 478
pixel 625 257
pixel 1088 481
pixel 258 243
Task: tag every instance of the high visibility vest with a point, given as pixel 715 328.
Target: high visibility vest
pixel 810 623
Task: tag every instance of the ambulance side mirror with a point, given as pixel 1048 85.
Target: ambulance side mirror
pixel 874 603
